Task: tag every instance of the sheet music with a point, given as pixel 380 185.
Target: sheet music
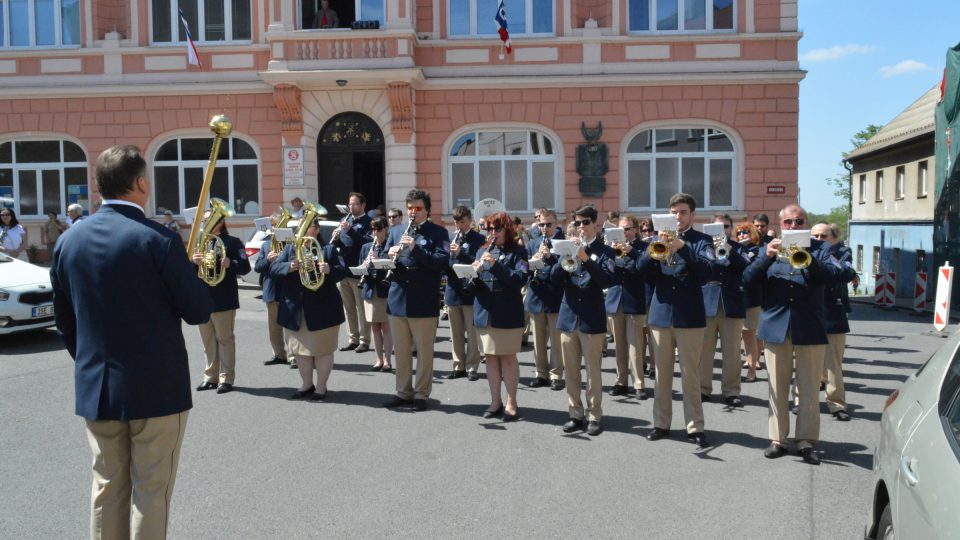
pixel 358 270
pixel 535 264
pixel 564 247
pixel 713 229
pixel 283 235
pixel 614 235
pixel 383 264
pixel 464 271
pixel 189 214
pixel 664 222
pixel 263 224
pixel 795 238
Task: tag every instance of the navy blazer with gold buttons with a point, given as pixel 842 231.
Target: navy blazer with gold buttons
pixel 498 296
pixel 415 289
pixel 582 307
pixel 323 307
pixel 677 299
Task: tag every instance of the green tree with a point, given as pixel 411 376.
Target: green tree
pixel 842 182
pixel 836 215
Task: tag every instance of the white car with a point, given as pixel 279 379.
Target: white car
pixel 916 465
pixel 26 296
pixel 252 247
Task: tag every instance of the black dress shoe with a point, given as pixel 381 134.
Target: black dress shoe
pixel 704 398
pixel 224 388
pixel 733 401
pixel 641 394
pixel 507 417
pixel 293 364
pixel 795 409
pixel 455 375
pixel 473 376
pixel 419 404
pixel 774 451
pixel 810 456
pixel 362 349
pixel 699 438
pixel 494 413
pixel 206 386
pixel 275 361
pixel 317 396
pixel 593 428
pixel 657 433
pixel 618 390
pixel 376 368
pixel 572 425
pixel 349 347
pixel 397 401
pixel 556 384
pixel 842 415
pixel 303 394
pixel 538 382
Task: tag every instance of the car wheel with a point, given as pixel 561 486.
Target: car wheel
pixel 885 527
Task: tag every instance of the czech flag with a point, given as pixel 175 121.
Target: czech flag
pixel 501 19
pixel 192 57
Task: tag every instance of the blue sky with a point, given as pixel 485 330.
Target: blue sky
pixel 866 61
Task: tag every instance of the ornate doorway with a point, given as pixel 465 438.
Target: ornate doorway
pixel 350 158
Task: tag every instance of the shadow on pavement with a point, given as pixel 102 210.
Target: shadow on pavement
pixel 37 341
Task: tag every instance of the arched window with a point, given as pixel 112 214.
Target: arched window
pixel 178 169
pixel 664 161
pixel 40 176
pixel 517 167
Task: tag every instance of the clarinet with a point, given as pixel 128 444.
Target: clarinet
pixel 375 249
pixel 411 231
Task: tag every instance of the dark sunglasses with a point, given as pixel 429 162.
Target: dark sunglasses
pixel 628 228
pixel 392 216
pixel 415 208
pixel 583 223
pixel 726 226
pixel 798 221
pixel 743 232
pixel 544 224
pixel 494 229
pixel 646 230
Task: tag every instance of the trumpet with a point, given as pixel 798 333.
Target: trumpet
pixel 283 219
pixel 660 249
pixel 569 263
pixel 721 250
pixel 308 250
pixel 211 246
pixel 798 257
pixel 411 231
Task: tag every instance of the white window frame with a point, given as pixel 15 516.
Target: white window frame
pixel 733 155
pixel 863 189
pixel 652 17
pixel 202 165
pixel 528 8
pixel 60 166
pixel 32 18
pixel 200 38
pixel 555 158
pixel 922 179
pixel 900 185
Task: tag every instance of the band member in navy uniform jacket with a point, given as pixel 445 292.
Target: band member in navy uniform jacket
pixel 271 298
pixel 219 341
pixel 792 325
pixel 312 319
pixel 348 238
pixel 421 257
pixel 374 289
pixel 583 320
pixel 627 309
pixel 542 302
pixel 749 238
pixel 725 311
pixel 459 300
pixel 498 310
pixel 676 319
pixel 122 284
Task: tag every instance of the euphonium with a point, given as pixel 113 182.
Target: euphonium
pixel 308 250
pixel 660 249
pixel 798 257
pixel 571 264
pixel 283 219
pixel 211 246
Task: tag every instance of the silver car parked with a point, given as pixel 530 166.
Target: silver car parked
pixel 917 462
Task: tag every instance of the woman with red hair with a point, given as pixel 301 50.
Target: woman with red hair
pixel 749 237
pixel 498 310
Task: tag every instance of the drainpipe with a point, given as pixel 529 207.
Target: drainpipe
pixel 849 168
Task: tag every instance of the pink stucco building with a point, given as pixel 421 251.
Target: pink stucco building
pixel 692 95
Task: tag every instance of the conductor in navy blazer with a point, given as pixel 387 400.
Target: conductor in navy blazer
pixel 583 320
pixel 132 384
pixel 422 254
pixel 677 318
pixel 792 326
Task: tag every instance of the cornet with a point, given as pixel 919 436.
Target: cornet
pixel 721 250
pixel 569 263
pixel 660 249
pixel 798 257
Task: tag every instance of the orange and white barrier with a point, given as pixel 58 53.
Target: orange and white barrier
pixel 885 291
pixel 941 312
pixel 920 292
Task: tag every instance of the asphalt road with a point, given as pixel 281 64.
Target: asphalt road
pixel 255 465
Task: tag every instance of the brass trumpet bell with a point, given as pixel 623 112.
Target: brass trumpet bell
pixel 307 250
pixel 283 220
pixel 211 246
pixel 798 257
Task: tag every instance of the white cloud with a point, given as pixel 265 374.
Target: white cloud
pixel 904 68
pixel 836 52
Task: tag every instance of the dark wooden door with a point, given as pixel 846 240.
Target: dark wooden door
pixel 350 158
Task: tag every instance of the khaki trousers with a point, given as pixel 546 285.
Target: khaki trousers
pixel 617 323
pixel 466 351
pixel 833 358
pixel 780 370
pixel 590 347
pixel 219 346
pixel 544 327
pixel 636 343
pixel 688 342
pixel 357 326
pixel 275 331
pixel 730 332
pixel 410 332
pixel 134 461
